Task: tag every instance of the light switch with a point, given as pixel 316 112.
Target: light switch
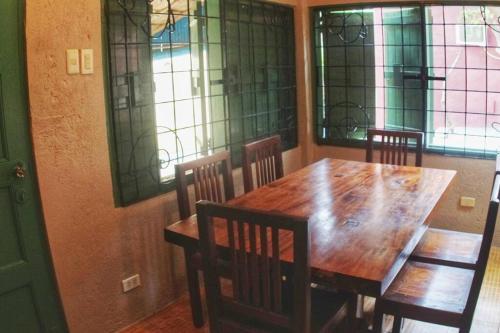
pixel 72 61
pixel 87 61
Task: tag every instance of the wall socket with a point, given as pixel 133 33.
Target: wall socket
pixel 467 202
pixel 131 283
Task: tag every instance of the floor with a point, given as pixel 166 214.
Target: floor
pixel 177 317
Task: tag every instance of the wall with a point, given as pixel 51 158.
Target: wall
pixel 94 245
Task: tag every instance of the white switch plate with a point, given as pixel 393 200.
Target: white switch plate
pixel 87 61
pixel 72 61
pixel 131 283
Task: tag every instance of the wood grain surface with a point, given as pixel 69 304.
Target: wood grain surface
pixel 447 247
pixel 365 218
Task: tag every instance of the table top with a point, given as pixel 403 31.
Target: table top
pixel 365 218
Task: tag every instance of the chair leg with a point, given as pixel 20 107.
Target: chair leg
pixel 194 290
pixel 378 319
pixel 396 325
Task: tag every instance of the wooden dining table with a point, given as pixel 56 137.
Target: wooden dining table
pixel 365 219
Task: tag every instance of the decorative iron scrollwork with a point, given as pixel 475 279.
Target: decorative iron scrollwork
pixel 346 127
pixel 128 6
pixel 169 23
pixel 159 159
pixel 341 32
pixel 484 15
pixel 496 126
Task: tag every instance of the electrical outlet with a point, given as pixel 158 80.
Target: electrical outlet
pixel 467 202
pixel 131 283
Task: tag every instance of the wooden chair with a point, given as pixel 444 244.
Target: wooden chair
pixel 438 294
pixel 393 150
pixel 259 301
pixel 394 146
pixel 205 175
pixel 266 154
pixel 451 248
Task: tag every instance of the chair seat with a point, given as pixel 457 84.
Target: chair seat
pixel 434 290
pixel 328 310
pixel 446 247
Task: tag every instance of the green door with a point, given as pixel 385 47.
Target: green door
pixel 28 298
pixel 404 96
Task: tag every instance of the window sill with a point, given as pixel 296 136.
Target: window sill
pixel 359 144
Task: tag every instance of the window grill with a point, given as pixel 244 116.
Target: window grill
pixel 189 78
pixel 259 72
pixel 133 109
pixel 429 68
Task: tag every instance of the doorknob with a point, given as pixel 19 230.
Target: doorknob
pixel 20 171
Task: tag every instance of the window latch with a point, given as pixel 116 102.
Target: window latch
pixel 422 75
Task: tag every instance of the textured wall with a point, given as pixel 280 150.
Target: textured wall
pixel 94 245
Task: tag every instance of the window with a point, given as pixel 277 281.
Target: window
pixel 427 68
pixel 189 78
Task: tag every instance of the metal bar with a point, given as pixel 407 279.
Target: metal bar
pixel 424 64
pixel 202 50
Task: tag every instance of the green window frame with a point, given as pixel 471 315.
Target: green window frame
pixel 191 79
pixel 416 67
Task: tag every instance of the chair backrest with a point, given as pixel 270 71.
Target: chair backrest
pixel 254 240
pixel 205 175
pixel 484 252
pixel 394 146
pixel 266 154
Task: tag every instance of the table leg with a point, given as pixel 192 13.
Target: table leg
pixel 360 306
pixel 357 321
pixel 194 289
pixel 378 319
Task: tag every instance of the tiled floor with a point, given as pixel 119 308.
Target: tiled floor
pixel 177 317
